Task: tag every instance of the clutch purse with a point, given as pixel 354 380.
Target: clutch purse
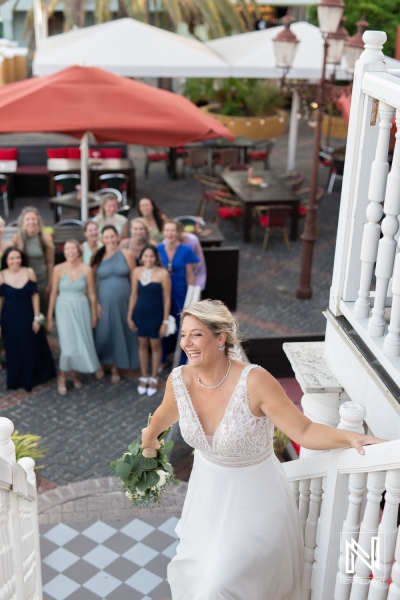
pixel 171 326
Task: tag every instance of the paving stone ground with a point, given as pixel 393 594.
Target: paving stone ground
pixel 86 429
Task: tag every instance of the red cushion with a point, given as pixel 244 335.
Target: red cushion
pixel 302 211
pixel 8 154
pixel 111 152
pixel 264 220
pixel 296 447
pixel 73 153
pixel 57 153
pixel 258 155
pixel 157 156
pixel 227 212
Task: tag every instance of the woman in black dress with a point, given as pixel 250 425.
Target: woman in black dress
pixel 29 360
pixel 148 311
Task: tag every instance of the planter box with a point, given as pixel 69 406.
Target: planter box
pixel 250 127
pixel 334 127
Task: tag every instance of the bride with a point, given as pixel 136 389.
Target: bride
pixel 240 534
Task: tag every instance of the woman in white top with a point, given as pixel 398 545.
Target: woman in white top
pixel 240 533
pixel 92 244
pixel 108 215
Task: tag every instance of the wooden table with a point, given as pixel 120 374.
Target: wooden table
pixel 71 201
pixel 276 192
pixel 241 143
pixel 211 236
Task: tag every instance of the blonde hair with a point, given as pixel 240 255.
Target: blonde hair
pixel 218 318
pixel 21 236
pixel 77 246
pixel 109 197
pixel 2 222
pixel 142 222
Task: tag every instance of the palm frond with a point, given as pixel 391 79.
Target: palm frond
pixel 173 10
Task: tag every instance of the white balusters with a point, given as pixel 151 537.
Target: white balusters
pixel 304 501
pixel 368 529
pixel 7 573
pixel 394 590
pixel 390 225
pixel 294 484
pixel 310 535
pixel 318 536
pixel 7 448
pixel 352 415
pixel 376 195
pixel 351 528
pixel 387 533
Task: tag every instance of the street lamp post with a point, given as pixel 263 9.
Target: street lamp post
pixel 330 14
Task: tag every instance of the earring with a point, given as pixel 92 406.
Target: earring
pixel 221 348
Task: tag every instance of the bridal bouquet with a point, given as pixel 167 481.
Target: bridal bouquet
pixel 145 472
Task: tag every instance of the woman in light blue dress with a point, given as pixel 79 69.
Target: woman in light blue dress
pixel 73 295
pixel 116 344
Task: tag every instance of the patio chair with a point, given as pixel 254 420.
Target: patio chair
pixel 197 158
pixel 116 181
pixel 66 222
pixel 261 151
pixel 13 223
pixel 209 186
pixel 124 210
pixel 4 183
pixel 304 193
pixel 336 173
pixel 293 179
pixel 114 191
pixel 65 184
pixel 224 157
pixel 274 217
pixel 225 206
pixel 154 154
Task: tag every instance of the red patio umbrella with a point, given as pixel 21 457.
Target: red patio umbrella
pixel 79 100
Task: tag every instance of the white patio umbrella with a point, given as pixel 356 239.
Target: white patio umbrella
pixel 252 55
pixel 129 48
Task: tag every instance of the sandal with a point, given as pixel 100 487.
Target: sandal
pixel 99 374
pixel 142 387
pixel 115 376
pixel 61 386
pixel 153 381
pixel 78 385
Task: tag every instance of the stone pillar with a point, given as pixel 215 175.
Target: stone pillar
pixel 323 394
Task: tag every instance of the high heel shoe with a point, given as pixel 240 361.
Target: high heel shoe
pixel 99 374
pixel 142 387
pixel 61 386
pixel 153 381
pixel 115 376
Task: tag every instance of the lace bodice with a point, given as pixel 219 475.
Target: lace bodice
pixel 241 439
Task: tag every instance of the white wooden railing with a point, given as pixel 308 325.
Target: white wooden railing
pixel 20 573
pixel 366 279
pixel 339 494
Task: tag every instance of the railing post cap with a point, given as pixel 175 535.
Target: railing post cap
pixel 28 465
pixel 352 411
pixel 6 428
pixel 373 41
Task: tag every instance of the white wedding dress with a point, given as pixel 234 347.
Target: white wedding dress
pixel 240 533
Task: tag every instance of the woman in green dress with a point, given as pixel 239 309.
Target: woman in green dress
pixel 39 248
pixel 73 294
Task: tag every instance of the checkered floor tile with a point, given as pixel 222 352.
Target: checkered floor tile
pixel 114 560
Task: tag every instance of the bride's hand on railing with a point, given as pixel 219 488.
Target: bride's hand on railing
pixel 358 441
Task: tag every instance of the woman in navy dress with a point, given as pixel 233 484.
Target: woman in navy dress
pixel 29 360
pixel 179 260
pixel 148 311
pixel 116 344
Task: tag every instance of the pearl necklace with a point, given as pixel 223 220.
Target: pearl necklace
pixel 212 387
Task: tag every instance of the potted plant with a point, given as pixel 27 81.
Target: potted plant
pixel 28 445
pixel 248 107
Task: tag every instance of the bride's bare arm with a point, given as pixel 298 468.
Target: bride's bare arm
pixel 267 395
pixel 165 415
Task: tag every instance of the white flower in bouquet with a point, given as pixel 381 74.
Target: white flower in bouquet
pixel 163 477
